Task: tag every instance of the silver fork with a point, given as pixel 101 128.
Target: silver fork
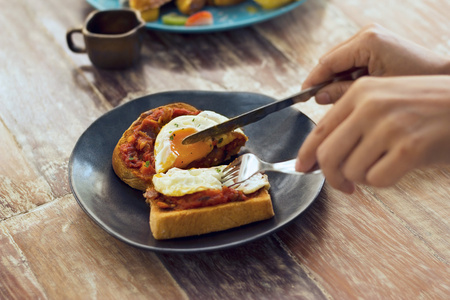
pixel 247 165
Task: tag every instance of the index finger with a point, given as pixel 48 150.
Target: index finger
pixel 307 155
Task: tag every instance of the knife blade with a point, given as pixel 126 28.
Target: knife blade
pixel 261 112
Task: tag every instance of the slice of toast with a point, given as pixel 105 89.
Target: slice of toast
pixel 166 224
pixel 132 176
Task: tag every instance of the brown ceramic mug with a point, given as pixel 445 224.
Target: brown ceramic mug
pixel 112 38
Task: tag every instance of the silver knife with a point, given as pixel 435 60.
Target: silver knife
pixel 261 112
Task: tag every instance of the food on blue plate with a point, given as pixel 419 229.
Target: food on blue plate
pixel 189 7
pixel 192 12
pixel 273 4
pixel 182 183
pixel 174 19
pixel 149 9
pixel 224 2
pixel 200 18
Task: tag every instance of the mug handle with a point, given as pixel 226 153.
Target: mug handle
pixel 70 42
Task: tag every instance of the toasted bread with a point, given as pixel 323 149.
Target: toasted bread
pixel 167 224
pixel 132 176
pixel 135 148
pixel 136 145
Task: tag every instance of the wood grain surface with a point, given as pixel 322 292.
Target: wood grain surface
pixel 391 243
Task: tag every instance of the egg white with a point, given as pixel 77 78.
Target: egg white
pixel 178 182
pixel 218 118
pixel 165 157
pixel 253 184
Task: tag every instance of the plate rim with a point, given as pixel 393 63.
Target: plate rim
pixel 122 238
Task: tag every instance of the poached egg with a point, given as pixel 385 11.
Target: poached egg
pixel 178 182
pixel 171 153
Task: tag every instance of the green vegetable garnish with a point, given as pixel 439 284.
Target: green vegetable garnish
pixel 174 19
pixel 147 163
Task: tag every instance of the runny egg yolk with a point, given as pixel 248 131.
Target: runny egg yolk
pixel 187 153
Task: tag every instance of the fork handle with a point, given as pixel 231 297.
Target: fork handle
pixel 287 167
pixel 284 166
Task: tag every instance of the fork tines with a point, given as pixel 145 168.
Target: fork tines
pixel 231 172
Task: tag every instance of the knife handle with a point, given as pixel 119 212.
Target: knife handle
pixel 351 74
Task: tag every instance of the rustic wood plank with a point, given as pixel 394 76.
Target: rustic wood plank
pixel 355 248
pixel 378 243
pixel 72 258
pixel 17 281
pixel 424 208
pixel 429 197
pixel 177 61
pixel 46 111
pixel 307 32
pixel 161 67
pixel 203 62
pixel 21 187
pixel 303 35
pixel 259 270
pixel 425 22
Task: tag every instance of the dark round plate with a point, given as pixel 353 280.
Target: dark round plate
pixel 122 212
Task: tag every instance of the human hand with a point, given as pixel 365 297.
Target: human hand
pixel 379 130
pixel 382 52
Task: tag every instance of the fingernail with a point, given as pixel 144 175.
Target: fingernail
pixel 347 187
pixel 323 98
pixel 298 165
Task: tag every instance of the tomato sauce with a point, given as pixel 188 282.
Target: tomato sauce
pixel 219 154
pixel 138 151
pixel 196 200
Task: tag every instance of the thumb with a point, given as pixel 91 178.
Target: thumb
pixel 332 92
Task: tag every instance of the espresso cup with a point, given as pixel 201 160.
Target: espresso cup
pixel 112 38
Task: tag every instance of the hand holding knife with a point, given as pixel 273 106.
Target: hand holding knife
pixel 259 113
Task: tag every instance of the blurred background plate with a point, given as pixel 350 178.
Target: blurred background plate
pixel 225 18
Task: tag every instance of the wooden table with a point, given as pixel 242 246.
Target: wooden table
pixel 374 244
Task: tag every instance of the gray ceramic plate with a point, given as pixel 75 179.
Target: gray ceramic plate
pixel 121 210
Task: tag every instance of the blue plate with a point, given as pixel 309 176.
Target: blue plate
pixel 225 18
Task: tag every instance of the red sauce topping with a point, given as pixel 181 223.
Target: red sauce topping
pixel 138 151
pixel 196 200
